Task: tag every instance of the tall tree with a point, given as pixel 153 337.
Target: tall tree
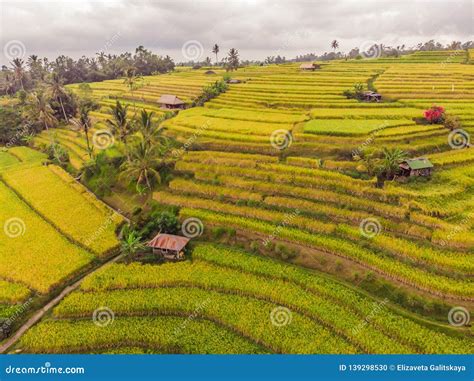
pixel 232 59
pixel 149 130
pixel 19 71
pixel 83 122
pixel 334 45
pixel 143 164
pixel 36 68
pixel 131 80
pixel 58 92
pixel 39 110
pixel 215 50
pixel 119 123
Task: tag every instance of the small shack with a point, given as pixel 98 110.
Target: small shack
pixel 310 66
pixel 209 72
pixel 168 246
pixel 371 96
pixel 171 102
pixel 420 166
pixel 234 81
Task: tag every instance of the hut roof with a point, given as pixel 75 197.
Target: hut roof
pixel 234 81
pixel 308 66
pixel 168 242
pixel 170 100
pixel 418 163
pixel 210 72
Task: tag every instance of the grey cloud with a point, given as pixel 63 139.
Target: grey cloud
pixel 256 27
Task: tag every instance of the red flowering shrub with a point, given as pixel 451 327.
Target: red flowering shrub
pixel 435 114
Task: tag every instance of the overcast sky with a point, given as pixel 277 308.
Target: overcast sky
pixel 257 28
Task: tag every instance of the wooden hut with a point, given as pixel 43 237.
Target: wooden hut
pixel 310 66
pixel 420 166
pixel 371 96
pixel 171 102
pixel 168 246
pixel 210 72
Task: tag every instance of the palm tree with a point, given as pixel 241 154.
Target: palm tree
pixel 39 110
pixel 392 157
pixel 143 164
pixel 57 92
pixel 233 59
pixel 131 243
pixel 215 50
pixel 35 65
pixel 148 129
pixel 119 123
pixel 131 80
pixel 334 45
pixel 18 70
pixel 84 123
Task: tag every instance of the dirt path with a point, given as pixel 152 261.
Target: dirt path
pixel 40 313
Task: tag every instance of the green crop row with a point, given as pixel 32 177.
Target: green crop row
pixel 156 333
pixel 418 278
pixel 34 253
pixel 54 194
pixel 248 316
pixel 388 321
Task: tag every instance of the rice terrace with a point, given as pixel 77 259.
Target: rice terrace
pixel 210 203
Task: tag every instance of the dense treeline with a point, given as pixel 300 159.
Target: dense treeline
pixel 27 74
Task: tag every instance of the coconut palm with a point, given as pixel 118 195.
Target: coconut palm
pixel 215 50
pixel 334 45
pixel 143 164
pixel 150 132
pixel 18 70
pixel 233 59
pixel 119 123
pixel 38 109
pixel 83 123
pixel 131 80
pixel 58 92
